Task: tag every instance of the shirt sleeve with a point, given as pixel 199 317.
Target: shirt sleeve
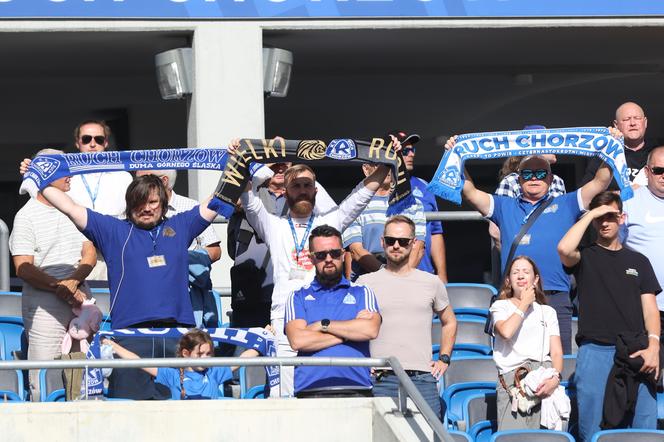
pixel 324 202
pixel 22 239
pixel 192 221
pixel 440 300
pixel 420 221
pixel 551 321
pixel 221 374
pixel 506 187
pixel 294 308
pixel 166 376
pixel 500 310
pixel 350 208
pixel 370 301
pixel 649 283
pixel 353 232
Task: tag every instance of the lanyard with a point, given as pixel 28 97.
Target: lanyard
pixel 299 247
pixel 154 239
pixel 93 196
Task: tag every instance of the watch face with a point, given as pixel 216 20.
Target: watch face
pixel 445 358
pixel 325 322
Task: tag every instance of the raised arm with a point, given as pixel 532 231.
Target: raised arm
pixel 61 201
pixel 123 353
pixel 568 247
pixel 598 184
pixel 477 198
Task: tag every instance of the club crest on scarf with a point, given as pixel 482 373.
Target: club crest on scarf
pixel 343 149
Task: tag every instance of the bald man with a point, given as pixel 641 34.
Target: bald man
pixel 631 120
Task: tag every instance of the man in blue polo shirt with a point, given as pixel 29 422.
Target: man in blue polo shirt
pixel 331 318
pixel 542 238
pixel 146 255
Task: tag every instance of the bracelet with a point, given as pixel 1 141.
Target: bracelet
pixel 520 313
pixel 654 336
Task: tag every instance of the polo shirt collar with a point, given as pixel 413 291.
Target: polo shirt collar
pixel 316 286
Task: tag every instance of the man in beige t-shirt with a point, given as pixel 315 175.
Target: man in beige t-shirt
pixel 407 297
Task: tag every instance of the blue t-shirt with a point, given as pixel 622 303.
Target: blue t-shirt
pixel 541 241
pixel 158 293
pixel 428 200
pixel 342 302
pixel 197 384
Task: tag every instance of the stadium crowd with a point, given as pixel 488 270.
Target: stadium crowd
pixel 349 280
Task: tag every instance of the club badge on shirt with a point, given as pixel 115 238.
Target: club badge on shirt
pixel 156 261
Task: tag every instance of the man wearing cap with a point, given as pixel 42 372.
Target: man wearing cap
pixel 434 260
pixel 248 249
pixel 542 238
pixel 362 237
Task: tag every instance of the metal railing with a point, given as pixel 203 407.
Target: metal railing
pixel 4 256
pixel 407 388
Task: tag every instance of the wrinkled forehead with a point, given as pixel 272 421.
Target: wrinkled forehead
pixel 301 178
pixel 534 162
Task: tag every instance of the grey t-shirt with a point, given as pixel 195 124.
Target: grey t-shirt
pixel 406 305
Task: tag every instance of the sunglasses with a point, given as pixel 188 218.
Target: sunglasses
pixel 403 242
pixel 407 151
pixel 656 170
pixel 529 174
pixel 99 139
pixel 334 254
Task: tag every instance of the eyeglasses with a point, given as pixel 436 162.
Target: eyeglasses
pixel 403 242
pixel 334 254
pixel 656 170
pixel 99 139
pixel 528 174
pixel 407 151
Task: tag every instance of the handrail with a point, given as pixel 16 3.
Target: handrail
pixel 4 256
pixel 458 215
pixel 407 388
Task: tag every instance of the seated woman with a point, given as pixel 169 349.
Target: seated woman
pixel 527 336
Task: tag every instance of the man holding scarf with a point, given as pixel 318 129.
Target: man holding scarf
pixel 287 238
pixel 540 242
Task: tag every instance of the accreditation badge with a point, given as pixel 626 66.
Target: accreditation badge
pixel 156 261
pixel 297 273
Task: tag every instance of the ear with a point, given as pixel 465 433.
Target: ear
pixel 615 124
pixel 366 169
pixel 536 279
pixel 164 179
pixel 622 218
pixel 185 353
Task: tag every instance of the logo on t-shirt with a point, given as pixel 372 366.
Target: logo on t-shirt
pixel 651 219
pixel 309 298
pixel 632 272
pixel 168 231
pixel 349 299
pixel 525 240
pixel 553 208
pixel 417 192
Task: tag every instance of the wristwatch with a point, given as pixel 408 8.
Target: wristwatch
pixel 324 324
pixel 445 359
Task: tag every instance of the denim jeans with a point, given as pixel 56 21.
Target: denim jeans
pixel 388 386
pixel 593 364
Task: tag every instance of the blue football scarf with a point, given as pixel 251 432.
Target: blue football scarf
pixel 239 166
pixel 448 180
pixel 253 338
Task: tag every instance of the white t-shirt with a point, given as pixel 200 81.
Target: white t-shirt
pixel 530 341
pixel 277 234
pixel 49 236
pixel 105 191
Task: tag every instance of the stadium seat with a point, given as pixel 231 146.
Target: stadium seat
pixel 531 435
pixel 14 338
pixel 470 340
pixel 11 386
pixel 103 298
pixel 628 435
pixel 575 329
pixel 10 304
pixel 51 385
pixel 477 406
pixel 470 299
pixel 459 436
pixel 252 382
pixel 482 430
pixel 660 406
pixel 217 301
pixel 466 376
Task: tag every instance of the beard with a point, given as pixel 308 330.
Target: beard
pixel 330 278
pixel 300 207
pixel 397 259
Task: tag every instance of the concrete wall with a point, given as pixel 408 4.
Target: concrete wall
pixel 275 420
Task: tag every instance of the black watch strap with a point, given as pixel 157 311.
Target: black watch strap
pixel 445 358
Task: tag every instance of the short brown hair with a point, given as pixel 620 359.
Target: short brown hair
pixel 606 198
pixel 102 123
pixel 400 219
pixel 139 191
pixel 296 170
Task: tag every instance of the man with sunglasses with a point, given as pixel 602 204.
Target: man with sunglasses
pixel 644 231
pixel 407 298
pixel 362 237
pixel 330 317
pixel 433 259
pixel 540 242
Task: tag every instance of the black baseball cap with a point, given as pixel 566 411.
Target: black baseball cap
pixel 404 138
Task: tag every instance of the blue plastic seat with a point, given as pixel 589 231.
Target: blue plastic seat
pixel 470 298
pixel 51 385
pixel 466 376
pixel 459 436
pixel 252 382
pixel 483 430
pixel 470 340
pixel 11 386
pixel 629 435
pixel 531 435
pixel 660 405
pixel 14 338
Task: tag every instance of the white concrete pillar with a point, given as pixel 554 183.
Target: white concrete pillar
pixel 227 102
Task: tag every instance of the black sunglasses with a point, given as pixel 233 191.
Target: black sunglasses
pixel 528 174
pixel 334 254
pixel 656 170
pixel 407 150
pixel 99 139
pixel 403 242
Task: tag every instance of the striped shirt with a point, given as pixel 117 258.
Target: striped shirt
pixel 509 186
pixel 46 234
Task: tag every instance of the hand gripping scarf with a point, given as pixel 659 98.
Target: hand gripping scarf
pixel 256 338
pixel 448 180
pixel 240 166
